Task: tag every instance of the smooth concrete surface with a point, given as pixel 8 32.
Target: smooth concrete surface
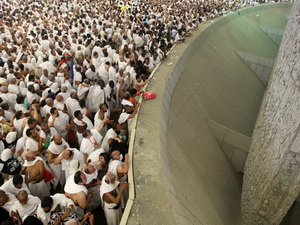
pixel 261 66
pixel 181 174
pixel 234 144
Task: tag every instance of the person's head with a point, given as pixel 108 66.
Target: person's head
pixel 18 181
pixel 104 157
pixel 59 98
pixel 107 65
pixel 20 100
pixel 63 89
pixel 121 70
pixel 74 95
pixel 57 139
pixel 133 92
pixel 3 198
pixel 79 178
pixel 32 220
pixel 78 115
pixel 4 106
pixel 110 178
pixel 101 83
pixel 128 109
pixel 67 155
pixel 82 103
pixel 115 155
pixel 47 204
pixel 19 114
pixel 31 78
pixel 49 101
pixel 22 197
pixel 54 111
pixel 31 122
pixel 31 89
pixel 32 133
pixel 111 84
pixel 45 127
pixel 127 96
pixel 86 133
pixel 117 128
pixel 90 168
pixel 103 107
pixel 30 156
pixel 45 72
pixel 93 68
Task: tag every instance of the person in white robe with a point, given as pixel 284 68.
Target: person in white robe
pixel 58 201
pixel 15 184
pixel 111 195
pixel 57 146
pixel 94 157
pixel 37 187
pixel 72 104
pixel 7 200
pixel 110 95
pixel 81 122
pixel 66 157
pixel 26 205
pixel 59 103
pixel 83 89
pixel 100 117
pixel 92 185
pixel 59 120
pixel 111 134
pixel 18 122
pixel 31 142
pixel 91 141
pixel 95 96
pixel 75 190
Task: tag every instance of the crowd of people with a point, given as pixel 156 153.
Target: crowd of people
pixel 71 72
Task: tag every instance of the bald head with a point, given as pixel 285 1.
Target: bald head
pixel 110 177
pixel 22 197
pixel 59 98
pixel 13 81
pixel 57 139
pixel 115 155
pixel 64 89
pixel 29 156
pixel 49 101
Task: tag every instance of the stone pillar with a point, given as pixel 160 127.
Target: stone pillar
pixel 272 170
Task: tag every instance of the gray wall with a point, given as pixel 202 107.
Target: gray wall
pixel 182 175
pixel 272 172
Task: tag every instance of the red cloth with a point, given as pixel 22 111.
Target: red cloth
pixel 149 95
pixel 48 176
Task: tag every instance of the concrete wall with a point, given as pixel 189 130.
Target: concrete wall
pixel 272 173
pixel 182 176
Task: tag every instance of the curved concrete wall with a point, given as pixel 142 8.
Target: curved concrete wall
pixel 181 174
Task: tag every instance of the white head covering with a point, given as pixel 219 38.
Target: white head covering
pixel 54 88
pixel 74 166
pixel 11 137
pixel 6 154
pixel 45 93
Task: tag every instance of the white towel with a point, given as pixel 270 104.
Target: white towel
pixel 106 188
pixel 72 188
pixel 57 149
